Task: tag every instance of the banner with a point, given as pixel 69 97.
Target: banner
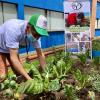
pixel 77 26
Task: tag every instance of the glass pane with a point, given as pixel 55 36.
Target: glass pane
pixel 10 11
pixel 99 24
pixel 57 20
pixel 1 14
pixel 29 11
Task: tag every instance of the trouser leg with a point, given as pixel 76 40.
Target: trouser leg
pixel 8 58
pixel 3 67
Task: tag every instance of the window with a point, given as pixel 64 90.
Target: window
pixel 48 19
pixel 7 11
pixel 97 24
pixel 56 21
pixel 1 14
pixel 29 11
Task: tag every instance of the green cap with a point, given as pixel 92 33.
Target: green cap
pixel 39 22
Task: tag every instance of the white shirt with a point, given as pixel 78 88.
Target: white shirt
pixel 12 34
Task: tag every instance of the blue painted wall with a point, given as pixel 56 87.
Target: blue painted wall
pixel 54 39
pixel 97 32
pixel 56 5
pixel 96 53
pixel 98 10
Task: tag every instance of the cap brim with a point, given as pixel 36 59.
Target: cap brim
pixel 41 31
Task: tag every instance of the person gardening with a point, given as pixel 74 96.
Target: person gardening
pixel 15 32
pixel 75 19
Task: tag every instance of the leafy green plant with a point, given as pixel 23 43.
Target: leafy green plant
pixel 46 82
pixel 54 85
pixel 49 84
pixel 96 62
pixel 58 68
pixel 70 92
pixel 9 86
pixel 61 68
pixel 81 78
pixel 96 44
pixel 83 58
pixel 34 72
pixel 10 82
pixel 36 86
pixel 31 87
pixel 95 80
pixel 8 93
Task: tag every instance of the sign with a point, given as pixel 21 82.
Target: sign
pixel 77 26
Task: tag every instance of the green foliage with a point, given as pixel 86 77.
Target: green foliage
pixel 31 87
pixel 96 44
pixel 54 85
pixel 8 93
pixel 83 58
pixel 61 68
pixel 81 78
pixel 36 86
pixel 96 86
pixel 46 82
pixel 96 61
pixel 70 92
pixel 10 82
pixel 35 72
pixel 58 67
pixel 95 80
pixel 27 66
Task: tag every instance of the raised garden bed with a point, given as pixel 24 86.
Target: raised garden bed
pixel 64 78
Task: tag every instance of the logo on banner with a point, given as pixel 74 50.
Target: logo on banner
pixel 76 5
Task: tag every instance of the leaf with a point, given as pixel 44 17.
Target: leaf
pixel 67 68
pixel 83 58
pixel 31 87
pixel 70 92
pixel 35 72
pixel 54 85
pixel 23 87
pixel 78 74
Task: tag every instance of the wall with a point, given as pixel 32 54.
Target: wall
pixel 55 5
pixel 54 39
